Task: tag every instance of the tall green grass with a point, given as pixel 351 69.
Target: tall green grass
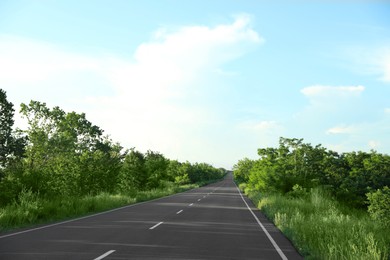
pixel 30 209
pixel 321 228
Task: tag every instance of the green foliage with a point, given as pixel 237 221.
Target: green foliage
pixel 24 210
pixel 6 123
pixel 298 192
pixel 156 167
pixel 379 206
pixel 178 172
pixel 203 172
pixel 182 179
pixel 12 143
pixel 66 154
pixel 241 170
pixel 133 174
pixel 365 172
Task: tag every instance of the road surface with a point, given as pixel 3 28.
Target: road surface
pixel 212 222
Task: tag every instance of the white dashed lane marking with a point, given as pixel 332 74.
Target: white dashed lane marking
pixel 158 224
pixel 104 255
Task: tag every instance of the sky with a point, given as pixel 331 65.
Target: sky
pixel 206 81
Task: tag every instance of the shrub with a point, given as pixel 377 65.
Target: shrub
pixel 298 192
pixel 242 186
pixel 182 179
pixel 379 205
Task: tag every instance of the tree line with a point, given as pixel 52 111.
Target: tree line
pixel 358 179
pixel 63 154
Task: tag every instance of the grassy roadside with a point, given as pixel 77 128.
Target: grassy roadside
pixel 321 228
pixel 31 209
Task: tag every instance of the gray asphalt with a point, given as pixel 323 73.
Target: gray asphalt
pixel 212 222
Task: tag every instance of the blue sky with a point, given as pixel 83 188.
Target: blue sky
pixel 206 81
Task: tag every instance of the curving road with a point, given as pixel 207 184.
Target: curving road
pixel 212 222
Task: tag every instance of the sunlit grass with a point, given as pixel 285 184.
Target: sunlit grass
pixel 30 209
pixel 321 228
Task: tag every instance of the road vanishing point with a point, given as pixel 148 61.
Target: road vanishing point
pixel 212 222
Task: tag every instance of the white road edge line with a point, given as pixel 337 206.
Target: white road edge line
pixel 158 224
pixel 180 211
pixel 104 255
pixel 280 252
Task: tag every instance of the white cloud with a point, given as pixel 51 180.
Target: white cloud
pixel 341 130
pixel 320 91
pixel 32 69
pixel 170 63
pixel 361 136
pixel 26 61
pixel 331 103
pixel 374 144
pixel 204 45
pixel 251 134
pixel 385 64
pixel 157 101
pixel 357 143
pixel 372 61
pixel 387 110
pixel 261 126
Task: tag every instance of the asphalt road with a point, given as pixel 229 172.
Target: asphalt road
pixel 212 222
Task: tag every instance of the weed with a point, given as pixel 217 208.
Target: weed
pixel 321 228
pixel 30 209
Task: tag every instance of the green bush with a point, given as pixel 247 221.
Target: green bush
pixel 182 179
pixel 298 192
pixel 379 205
pixel 242 186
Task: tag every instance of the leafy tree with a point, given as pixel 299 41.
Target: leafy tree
pixel 175 172
pixel 365 172
pixel 100 168
pixel 6 123
pixel 202 172
pixel 335 170
pixel 67 154
pixel 12 149
pixel 241 170
pixel 348 176
pixel 292 163
pixel 12 144
pixel 156 167
pixel 133 175
pixel 182 179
